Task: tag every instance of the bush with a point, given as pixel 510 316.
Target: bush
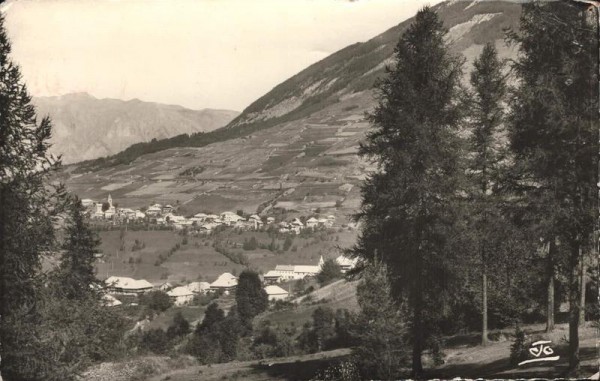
pixel 156 300
pixel 518 349
pixel 155 341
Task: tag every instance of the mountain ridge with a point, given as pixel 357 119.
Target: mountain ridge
pixel 303 159
pixel 86 127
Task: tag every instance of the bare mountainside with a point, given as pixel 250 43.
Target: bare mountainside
pixel 87 128
pixel 283 152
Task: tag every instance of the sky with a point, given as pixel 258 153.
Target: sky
pixel 220 54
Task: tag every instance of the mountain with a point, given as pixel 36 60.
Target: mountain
pixel 87 128
pixel 355 68
pixel 295 147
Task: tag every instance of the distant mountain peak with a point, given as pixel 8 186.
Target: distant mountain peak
pixel 85 127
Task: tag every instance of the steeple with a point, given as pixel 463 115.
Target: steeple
pixel 110 200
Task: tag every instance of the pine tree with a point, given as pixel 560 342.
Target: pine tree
pixel 75 278
pixel 407 205
pixel 250 297
pixel 26 231
pixel 554 130
pixel 486 112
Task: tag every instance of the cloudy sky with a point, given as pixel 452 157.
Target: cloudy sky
pixel 195 53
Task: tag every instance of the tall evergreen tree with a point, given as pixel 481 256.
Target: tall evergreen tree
pixel 554 130
pixel 407 205
pixel 250 297
pixel 75 278
pixel 26 211
pixel 487 114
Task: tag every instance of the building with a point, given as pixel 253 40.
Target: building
pixel 199 287
pixel 110 301
pixel 127 286
pixel 312 222
pixel 230 218
pixel 293 272
pixel 346 263
pixel 154 210
pixel 276 293
pixel 181 295
pixel 272 277
pixel 225 282
pixel 87 203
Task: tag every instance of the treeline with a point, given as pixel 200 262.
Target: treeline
pixel 482 211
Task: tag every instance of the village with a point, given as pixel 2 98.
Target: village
pixel 165 215
pixel 204 223
pixel 225 284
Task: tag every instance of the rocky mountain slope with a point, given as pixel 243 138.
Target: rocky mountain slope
pixel 87 128
pixel 294 148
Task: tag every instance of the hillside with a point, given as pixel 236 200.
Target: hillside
pixel 298 160
pixel 87 128
pixel 349 72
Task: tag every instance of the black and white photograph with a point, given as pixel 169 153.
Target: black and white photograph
pixel 299 190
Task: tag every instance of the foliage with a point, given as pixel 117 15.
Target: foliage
pixel 329 272
pixel 154 340
pixel 408 205
pixel 518 349
pixel 250 297
pixel 554 134
pixel 75 276
pixel 179 327
pixel 27 207
pixel 250 244
pixel 380 329
pixel 156 300
pixel 342 371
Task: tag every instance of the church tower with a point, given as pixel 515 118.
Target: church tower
pixel 110 201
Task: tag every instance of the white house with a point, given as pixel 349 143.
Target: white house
pixel 139 215
pixel 200 216
pixel 225 282
pixel 110 301
pixel 87 202
pixel 346 263
pixel 296 226
pixel 289 272
pixel 312 222
pixel 199 287
pixel 270 220
pixel 230 218
pixel 126 285
pixel 154 210
pixel 276 293
pixel 255 221
pixel 271 277
pixel 165 286
pixel 181 295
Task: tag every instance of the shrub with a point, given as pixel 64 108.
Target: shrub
pixel 518 349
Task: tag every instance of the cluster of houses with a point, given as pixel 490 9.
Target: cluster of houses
pixel 164 215
pixel 296 226
pixel 180 295
pixel 284 273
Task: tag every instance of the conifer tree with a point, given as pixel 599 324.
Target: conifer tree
pixel 554 131
pixel 26 231
pixel 250 297
pixel 486 113
pixel 75 278
pixel 407 205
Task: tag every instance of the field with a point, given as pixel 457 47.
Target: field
pixel 195 258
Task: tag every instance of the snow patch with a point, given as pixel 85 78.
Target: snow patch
pixel 459 30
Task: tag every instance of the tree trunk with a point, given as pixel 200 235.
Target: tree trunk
pixel 417 350
pixel 550 305
pixel 574 313
pixel 484 331
pixel 582 269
